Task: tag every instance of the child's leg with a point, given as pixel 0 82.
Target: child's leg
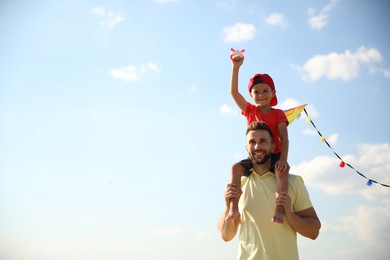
pixel 236 174
pixel 282 185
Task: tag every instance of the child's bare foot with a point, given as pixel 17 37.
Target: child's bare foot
pixel 232 215
pixel 279 215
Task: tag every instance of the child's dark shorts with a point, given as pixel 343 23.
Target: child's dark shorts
pixel 247 163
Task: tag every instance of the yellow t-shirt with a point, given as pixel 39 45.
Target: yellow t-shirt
pixel 260 238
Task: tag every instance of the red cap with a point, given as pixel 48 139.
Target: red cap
pixel 265 79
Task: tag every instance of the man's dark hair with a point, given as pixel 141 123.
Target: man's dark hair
pixel 259 125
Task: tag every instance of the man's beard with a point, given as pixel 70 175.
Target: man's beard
pixel 265 158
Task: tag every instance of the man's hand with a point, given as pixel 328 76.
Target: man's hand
pixel 232 191
pixel 229 228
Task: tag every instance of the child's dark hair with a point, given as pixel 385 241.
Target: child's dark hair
pixel 259 125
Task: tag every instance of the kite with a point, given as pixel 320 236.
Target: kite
pixel 295 112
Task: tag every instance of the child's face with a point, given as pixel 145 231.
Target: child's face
pixel 262 94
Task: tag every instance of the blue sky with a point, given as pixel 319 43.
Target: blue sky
pixel 118 131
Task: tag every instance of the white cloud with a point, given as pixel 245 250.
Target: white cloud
pixel 368 224
pixel 150 66
pixel 371 231
pixel 226 110
pixel 289 103
pixel 129 73
pixel 276 19
pixel 225 5
pixel 106 17
pixel 384 72
pixel 239 32
pixel 319 20
pixel 166 232
pixel 344 66
pixel 332 140
pixel 193 88
pixel 133 73
pixel 324 172
pixel 310 132
pixel 312 111
pixel 99 11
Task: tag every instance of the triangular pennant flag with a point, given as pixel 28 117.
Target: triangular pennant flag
pixel 294 112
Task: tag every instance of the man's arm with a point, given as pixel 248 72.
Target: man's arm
pixel 228 229
pixel 305 222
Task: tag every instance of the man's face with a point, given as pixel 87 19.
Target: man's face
pixel 259 146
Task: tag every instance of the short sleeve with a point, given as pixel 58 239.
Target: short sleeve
pixel 249 109
pixel 250 113
pixel 281 117
pixel 301 200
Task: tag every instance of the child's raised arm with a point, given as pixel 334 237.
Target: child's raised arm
pixel 238 98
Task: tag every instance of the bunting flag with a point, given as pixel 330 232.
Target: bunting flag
pixel 292 112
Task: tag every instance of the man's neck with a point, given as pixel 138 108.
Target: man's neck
pixel 262 169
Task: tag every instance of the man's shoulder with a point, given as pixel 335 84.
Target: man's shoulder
pixel 294 178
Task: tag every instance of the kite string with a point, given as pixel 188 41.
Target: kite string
pixel 342 163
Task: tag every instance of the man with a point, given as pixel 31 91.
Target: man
pixel 259 238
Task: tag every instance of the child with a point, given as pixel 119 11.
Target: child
pixel 262 91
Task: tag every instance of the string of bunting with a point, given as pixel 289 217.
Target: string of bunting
pixel 343 163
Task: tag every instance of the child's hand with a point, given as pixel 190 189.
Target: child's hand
pixel 283 199
pixel 237 56
pixel 282 166
pixel 238 61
